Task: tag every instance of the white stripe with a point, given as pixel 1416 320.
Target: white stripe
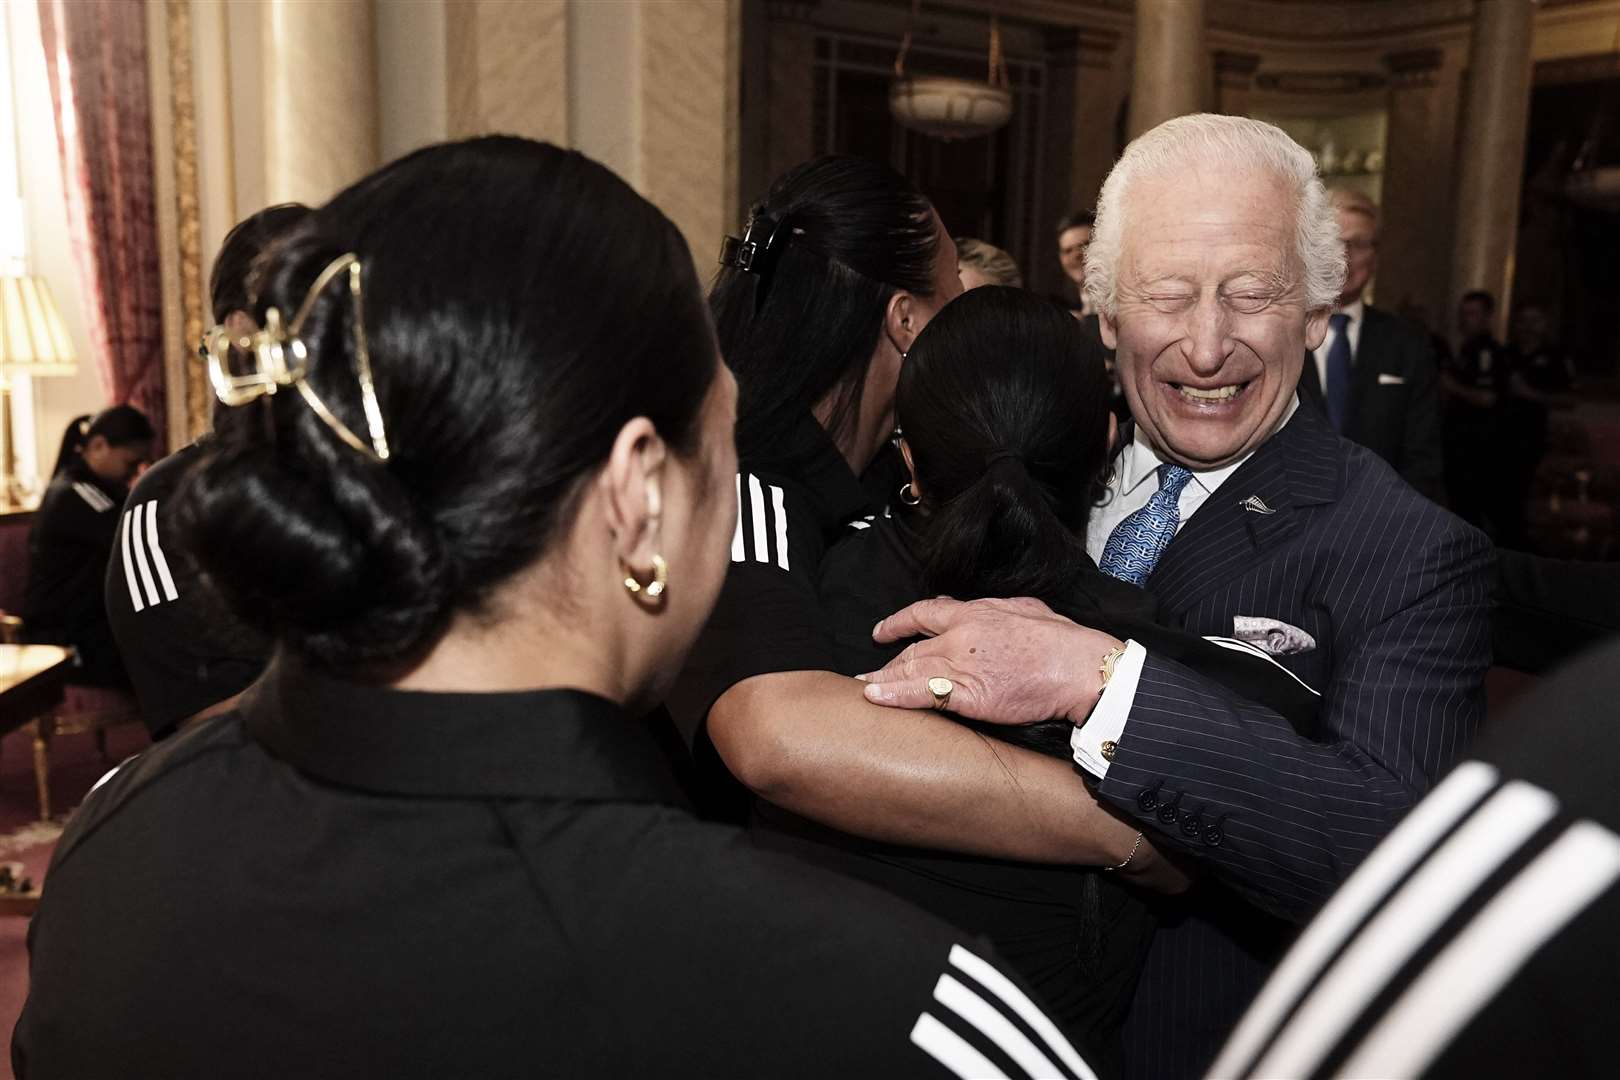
pixel 857 525
pixel 156 549
pixel 1247 647
pixel 1470 855
pixel 93 497
pixel 129 565
pixel 1019 1002
pixel 1387 864
pixel 994 1026
pixel 1530 909
pixel 781 527
pixel 140 555
pixel 737 554
pixel 952 1051
pixel 756 498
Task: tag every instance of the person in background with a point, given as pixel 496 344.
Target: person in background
pixel 1216 264
pixel 1073 239
pixel 185 652
pixel 72 540
pixel 1475 387
pixel 484 517
pixel 979 263
pixel 1543 380
pixel 1373 375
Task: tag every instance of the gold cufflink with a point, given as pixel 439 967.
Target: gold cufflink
pixel 1109 749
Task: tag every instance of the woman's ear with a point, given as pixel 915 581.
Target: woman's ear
pixel 911 470
pixel 632 495
pixel 901 321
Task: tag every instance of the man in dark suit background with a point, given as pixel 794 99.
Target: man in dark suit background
pixel 1250 519
pixel 1374 376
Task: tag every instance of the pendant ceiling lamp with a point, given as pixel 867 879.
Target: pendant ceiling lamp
pixel 946 107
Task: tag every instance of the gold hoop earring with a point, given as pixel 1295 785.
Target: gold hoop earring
pixel 908 496
pixel 655 588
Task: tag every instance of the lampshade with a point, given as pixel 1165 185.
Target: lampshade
pixel 33 340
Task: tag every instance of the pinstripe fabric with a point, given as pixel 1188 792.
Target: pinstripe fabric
pixel 1395 592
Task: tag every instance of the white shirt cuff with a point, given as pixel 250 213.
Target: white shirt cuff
pixel 1107 722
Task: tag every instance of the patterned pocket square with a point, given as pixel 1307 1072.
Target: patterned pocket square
pixel 1386 379
pixel 1271 636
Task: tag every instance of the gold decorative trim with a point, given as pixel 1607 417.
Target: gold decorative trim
pixel 183 105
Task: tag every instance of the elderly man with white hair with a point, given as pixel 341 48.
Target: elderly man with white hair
pixel 1215 265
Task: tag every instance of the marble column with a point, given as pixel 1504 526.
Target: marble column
pixel 1170 74
pixel 1415 233
pixel 1491 151
pixel 319 99
pixel 506 68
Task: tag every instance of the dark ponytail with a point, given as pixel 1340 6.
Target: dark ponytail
pixel 119 425
pixel 512 331
pixel 801 326
pixel 1004 406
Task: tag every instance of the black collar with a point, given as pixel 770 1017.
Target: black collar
pixel 538 744
pixel 807 456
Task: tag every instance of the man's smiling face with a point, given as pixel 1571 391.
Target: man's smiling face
pixel 1210 324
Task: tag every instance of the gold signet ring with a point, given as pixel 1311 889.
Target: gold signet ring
pixel 941 689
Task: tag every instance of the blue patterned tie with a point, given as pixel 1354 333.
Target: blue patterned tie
pixel 1337 390
pixel 1134 547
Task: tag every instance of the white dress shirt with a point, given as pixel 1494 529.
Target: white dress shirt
pixel 1135 481
pixel 1352 330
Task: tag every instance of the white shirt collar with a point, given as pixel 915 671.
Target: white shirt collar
pixel 1355 309
pixel 1139 460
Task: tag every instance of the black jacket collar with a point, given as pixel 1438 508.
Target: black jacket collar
pixel 539 744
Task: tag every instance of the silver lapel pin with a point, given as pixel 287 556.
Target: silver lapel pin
pixel 1254 504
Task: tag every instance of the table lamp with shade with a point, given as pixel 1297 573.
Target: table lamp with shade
pixel 33 342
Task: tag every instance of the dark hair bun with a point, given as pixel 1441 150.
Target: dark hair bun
pixel 512 332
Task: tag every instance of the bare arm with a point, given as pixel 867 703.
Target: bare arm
pixel 808 741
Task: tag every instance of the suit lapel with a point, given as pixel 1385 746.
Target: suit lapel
pixel 1294 469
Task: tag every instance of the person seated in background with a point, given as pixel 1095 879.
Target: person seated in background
pixel 1374 376
pixel 186 654
pixel 1007 439
pixel 484 517
pixel 72 540
pixel 979 263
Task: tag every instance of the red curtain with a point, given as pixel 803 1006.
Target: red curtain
pixel 95 54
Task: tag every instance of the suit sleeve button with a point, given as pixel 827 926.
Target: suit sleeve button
pixel 1213 835
pixel 1167 812
pixel 1147 800
pixel 1192 825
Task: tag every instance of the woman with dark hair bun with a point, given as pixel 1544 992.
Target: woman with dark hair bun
pixel 72 539
pixel 472 479
pixel 1007 438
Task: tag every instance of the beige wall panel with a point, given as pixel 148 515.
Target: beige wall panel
pixel 507 68
pixel 320 98
pixel 792 52
pixel 687 115
pixel 1415 240
pixel 1576 30
pixel 412 84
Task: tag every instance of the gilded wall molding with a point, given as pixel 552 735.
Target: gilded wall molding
pixel 187 379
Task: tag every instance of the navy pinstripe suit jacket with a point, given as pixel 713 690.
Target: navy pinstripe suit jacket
pixel 1395 591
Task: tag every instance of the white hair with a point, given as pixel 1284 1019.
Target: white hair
pixel 1208 139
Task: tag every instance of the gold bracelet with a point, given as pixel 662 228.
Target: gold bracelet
pixel 1134 849
pixel 1106 668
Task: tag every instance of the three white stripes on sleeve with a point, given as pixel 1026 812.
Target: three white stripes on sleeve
pixel 143 554
pixel 762 519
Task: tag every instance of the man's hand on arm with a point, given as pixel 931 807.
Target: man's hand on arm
pixel 1010 661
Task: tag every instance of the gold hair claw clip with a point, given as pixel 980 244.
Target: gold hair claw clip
pixel 281 359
